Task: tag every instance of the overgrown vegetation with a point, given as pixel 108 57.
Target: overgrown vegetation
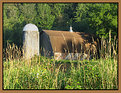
pixel 32 74
pixel 44 73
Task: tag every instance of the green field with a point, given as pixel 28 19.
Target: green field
pixel 43 73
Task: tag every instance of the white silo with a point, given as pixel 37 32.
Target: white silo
pixel 30 41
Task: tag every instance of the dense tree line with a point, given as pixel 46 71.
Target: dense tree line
pixel 94 18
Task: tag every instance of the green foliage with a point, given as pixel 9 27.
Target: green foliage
pixel 44 17
pixel 43 73
pixel 27 12
pixel 10 21
pixel 61 18
pixel 96 18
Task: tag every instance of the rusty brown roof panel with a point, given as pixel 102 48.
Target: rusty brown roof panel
pixel 65 40
pixel 61 33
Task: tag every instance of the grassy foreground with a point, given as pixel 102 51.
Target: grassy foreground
pixel 43 73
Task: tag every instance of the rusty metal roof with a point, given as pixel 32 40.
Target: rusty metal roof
pixel 65 41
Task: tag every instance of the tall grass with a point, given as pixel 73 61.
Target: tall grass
pixel 43 73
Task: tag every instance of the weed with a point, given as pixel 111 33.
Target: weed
pixel 43 73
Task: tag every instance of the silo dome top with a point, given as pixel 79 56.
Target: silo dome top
pixel 30 27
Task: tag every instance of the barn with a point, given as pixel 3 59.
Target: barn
pixel 66 44
pixel 57 44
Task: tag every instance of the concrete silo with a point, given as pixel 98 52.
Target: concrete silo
pixel 30 41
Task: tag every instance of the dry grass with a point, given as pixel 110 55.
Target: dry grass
pixel 44 73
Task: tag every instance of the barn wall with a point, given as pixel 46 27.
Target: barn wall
pixel 71 56
pixel 45 45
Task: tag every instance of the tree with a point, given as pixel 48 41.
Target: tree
pixel 99 18
pixel 44 18
pixel 10 18
pixel 64 14
pixel 27 11
pixel 96 18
